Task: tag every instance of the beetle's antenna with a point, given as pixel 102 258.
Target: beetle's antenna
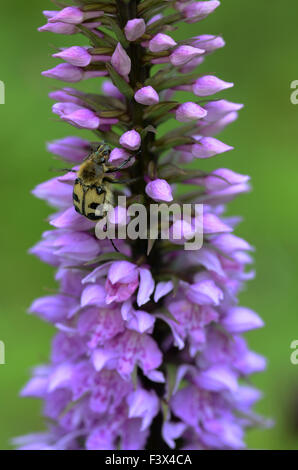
pixel 63 169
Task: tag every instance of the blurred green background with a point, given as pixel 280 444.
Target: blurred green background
pixel 261 58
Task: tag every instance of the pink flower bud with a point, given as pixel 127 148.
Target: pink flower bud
pixel 209 85
pixel 65 72
pixel 190 111
pixel 73 149
pixel 209 147
pixel 199 10
pixel 159 190
pixel 208 42
pixel 94 74
pixel 74 15
pixel 192 64
pixel 93 25
pixel 121 61
pixel 67 95
pixel 118 216
pixel 76 55
pixel 109 89
pixel 71 73
pixel 161 42
pixel 180 231
pixel 218 109
pixel 160 60
pixel 83 118
pixel 184 54
pixel 154 18
pixel 130 140
pixel 77 116
pixel 216 127
pixel 135 29
pixel 241 319
pixel 50 13
pixel 147 96
pixel 59 28
pixel 71 15
pixel 213 224
pixel 223 178
pixel 64 108
pixel 118 156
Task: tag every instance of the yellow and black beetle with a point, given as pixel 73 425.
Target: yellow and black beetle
pixel 92 187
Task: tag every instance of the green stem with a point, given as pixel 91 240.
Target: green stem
pixel 138 76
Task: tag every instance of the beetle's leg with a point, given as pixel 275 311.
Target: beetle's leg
pixel 108 179
pixel 63 169
pixel 113 170
pixel 114 246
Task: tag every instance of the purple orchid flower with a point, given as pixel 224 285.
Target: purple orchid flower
pixel 149 344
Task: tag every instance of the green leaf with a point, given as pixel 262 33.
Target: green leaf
pixel 165 117
pixel 192 196
pixel 170 171
pixel 119 82
pixel 111 113
pixel 90 5
pixel 94 39
pixel 114 256
pixel 147 129
pixel 134 377
pixel 160 75
pixel 105 102
pixel 157 110
pixel 150 245
pixel 147 4
pixel 110 137
pixel 105 106
pixel 166 20
pixel 169 82
pixel 165 410
pixel 180 131
pixel 171 380
pixel 107 7
pixel 102 50
pixel 174 142
pixel 108 21
pixel 175 174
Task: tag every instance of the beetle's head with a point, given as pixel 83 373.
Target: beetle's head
pixel 102 153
